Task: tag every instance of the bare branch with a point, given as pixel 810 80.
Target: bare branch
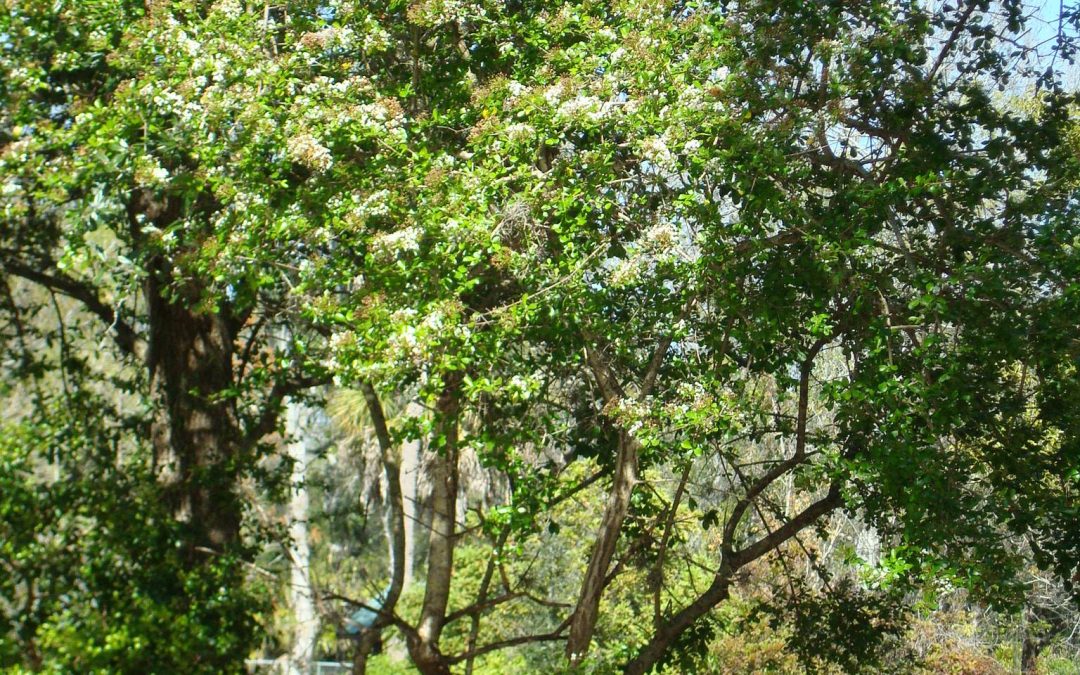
pixel 553 636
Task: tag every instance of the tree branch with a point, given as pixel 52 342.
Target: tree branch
pixel 124 335
pixel 554 635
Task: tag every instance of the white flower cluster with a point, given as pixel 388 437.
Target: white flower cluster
pixel 342 344
pixel 516 89
pixel 554 94
pixel 306 150
pixel 390 245
pixel 230 8
pixel 358 208
pixel 522 388
pixel 655 151
pixel 165 100
pixel 660 238
pixel 381 117
pixel 694 400
pixel 188 44
pixel 657 244
pixel 375 204
pixel 376 38
pixel 519 131
pixel 149 173
pixel 417 338
pixel 327 38
pixel 630 414
pixel 583 107
pixel 692 98
pixel 627 271
pixel 437 12
pixel 329 103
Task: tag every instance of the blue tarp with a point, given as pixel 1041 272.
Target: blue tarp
pixel 365 616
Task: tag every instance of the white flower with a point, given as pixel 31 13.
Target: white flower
pixel 375 204
pixel 391 244
pixel 230 8
pixel 627 271
pixel 692 98
pixel 519 131
pixel 308 151
pixel 655 151
pixel 554 94
pixel 149 173
pixel 720 74
pixel 587 106
pixel 188 44
pixel 661 236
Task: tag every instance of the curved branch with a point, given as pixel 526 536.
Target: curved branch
pixel 124 335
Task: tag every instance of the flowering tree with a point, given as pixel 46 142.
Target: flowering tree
pixel 132 136
pixel 666 235
pixel 752 262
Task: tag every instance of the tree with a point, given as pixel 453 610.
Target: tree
pixel 127 147
pixel 652 225
pixel 752 262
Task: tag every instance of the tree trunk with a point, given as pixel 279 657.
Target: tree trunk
pixel 395 527
pixel 424 646
pixel 1036 635
pixel 195 435
pixel 302 428
pixel 366 645
pixel 410 471
pixel 1029 656
pixel 583 623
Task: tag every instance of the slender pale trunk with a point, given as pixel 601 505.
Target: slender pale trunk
pixel 411 453
pixel 302 426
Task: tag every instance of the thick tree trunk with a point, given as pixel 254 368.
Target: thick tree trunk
pixel 195 435
pixel 583 623
pixel 366 645
pixel 1029 656
pixel 1038 632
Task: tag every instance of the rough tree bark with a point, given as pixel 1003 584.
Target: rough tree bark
pixel 195 433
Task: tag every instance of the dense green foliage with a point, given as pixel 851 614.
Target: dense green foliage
pixel 661 292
